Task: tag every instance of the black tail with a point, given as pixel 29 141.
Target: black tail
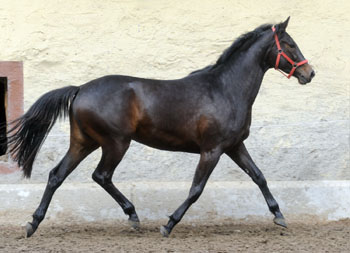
pixel 28 132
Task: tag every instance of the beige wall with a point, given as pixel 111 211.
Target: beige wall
pixel 298 132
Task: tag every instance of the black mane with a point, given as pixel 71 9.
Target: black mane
pixel 241 44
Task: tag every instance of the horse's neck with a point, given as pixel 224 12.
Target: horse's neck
pixel 243 76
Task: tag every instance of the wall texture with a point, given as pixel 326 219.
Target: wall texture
pixel 298 132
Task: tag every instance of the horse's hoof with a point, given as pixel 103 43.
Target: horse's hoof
pixel 134 224
pixel 29 229
pixel 280 221
pixel 164 231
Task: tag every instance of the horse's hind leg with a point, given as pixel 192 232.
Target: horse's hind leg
pixel 76 153
pixel 112 154
pixel 241 156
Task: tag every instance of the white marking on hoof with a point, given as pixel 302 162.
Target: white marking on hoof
pixel 134 224
pixel 164 231
pixel 29 230
pixel 280 221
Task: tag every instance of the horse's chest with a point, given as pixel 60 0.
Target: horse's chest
pixel 239 126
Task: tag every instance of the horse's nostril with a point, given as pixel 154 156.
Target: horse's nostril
pixel 312 74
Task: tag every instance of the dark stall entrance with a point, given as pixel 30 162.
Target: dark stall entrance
pixel 3 106
pixel 11 106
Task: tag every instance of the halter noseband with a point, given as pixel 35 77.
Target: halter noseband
pixel 281 52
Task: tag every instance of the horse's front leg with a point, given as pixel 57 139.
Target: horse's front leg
pixel 207 163
pixel 240 155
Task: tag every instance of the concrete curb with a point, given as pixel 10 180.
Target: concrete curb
pixel 299 201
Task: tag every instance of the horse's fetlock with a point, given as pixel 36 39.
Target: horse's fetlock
pixel 274 208
pixel 129 209
pixel 38 217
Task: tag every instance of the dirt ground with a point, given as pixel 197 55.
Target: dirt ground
pixel 225 236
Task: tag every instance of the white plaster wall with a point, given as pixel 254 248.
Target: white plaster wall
pixel 298 132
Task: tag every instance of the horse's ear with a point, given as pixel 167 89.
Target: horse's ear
pixel 283 26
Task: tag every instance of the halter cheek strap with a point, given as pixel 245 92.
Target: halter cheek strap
pixel 282 53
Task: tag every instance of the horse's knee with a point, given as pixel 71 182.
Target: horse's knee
pixel 97 177
pixel 100 178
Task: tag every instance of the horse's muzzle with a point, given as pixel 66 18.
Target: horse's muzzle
pixel 305 74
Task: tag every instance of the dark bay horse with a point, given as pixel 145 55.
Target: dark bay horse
pixel 207 112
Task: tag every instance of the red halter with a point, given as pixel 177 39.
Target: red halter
pixel 281 52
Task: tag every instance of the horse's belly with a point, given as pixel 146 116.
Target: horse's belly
pixel 167 141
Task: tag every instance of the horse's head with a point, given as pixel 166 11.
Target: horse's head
pixel 285 55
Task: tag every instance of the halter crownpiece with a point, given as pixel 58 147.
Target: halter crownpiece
pixel 282 53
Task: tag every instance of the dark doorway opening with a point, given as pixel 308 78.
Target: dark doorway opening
pixel 3 122
pixel 11 106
